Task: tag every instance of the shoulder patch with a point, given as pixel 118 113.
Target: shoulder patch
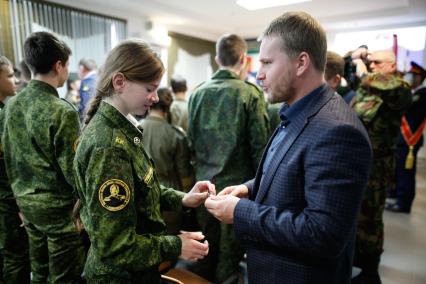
pixel 114 195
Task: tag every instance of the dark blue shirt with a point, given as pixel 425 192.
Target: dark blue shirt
pixel 287 114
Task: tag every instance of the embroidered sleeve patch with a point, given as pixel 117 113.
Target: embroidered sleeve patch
pixel 75 144
pixel 147 178
pixel 114 195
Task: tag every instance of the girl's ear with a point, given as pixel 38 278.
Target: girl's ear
pixel 118 81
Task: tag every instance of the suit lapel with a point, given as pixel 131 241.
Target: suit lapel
pixel 260 167
pixel 294 129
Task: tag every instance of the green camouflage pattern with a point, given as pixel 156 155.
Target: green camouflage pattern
pixel 168 146
pixel 274 116
pixel 179 113
pixel 40 132
pixel 380 102
pixel 121 202
pixel 381 108
pixel 38 138
pixel 228 131
pixel 15 262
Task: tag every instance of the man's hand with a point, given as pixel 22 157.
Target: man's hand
pixel 240 191
pixel 360 53
pixel 222 207
pixel 361 69
pixel 192 249
pixel 198 194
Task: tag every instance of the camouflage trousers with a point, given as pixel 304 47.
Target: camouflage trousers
pixel 13 244
pixel 369 237
pixel 56 248
pixel 100 272
pixel 225 252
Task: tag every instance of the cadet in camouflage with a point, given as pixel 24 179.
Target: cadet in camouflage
pixel 168 146
pixel 13 237
pixel 40 131
pixel 228 131
pixel 380 102
pixel 179 107
pixel 121 198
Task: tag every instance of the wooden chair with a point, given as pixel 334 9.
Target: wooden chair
pixel 185 276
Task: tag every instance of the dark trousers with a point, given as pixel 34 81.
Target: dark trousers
pixel 225 251
pixel 13 245
pixel 405 179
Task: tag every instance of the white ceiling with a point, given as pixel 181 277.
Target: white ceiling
pixel 209 19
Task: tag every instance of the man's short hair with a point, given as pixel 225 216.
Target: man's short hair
pixel 88 64
pixel 335 65
pixel 42 50
pixel 178 84
pixel 300 32
pixel 229 49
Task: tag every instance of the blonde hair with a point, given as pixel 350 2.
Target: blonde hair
pixel 135 60
pixel 4 61
pixel 300 32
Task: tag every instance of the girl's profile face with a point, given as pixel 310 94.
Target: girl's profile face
pixel 139 97
pixel 8 81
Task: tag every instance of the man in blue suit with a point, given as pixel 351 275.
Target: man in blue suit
pixel 297 217
pixel 88 76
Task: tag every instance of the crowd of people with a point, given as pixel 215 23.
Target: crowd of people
pixel 291 176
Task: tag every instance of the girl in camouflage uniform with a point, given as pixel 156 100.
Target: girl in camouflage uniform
pixel 14 258
pixel 121 198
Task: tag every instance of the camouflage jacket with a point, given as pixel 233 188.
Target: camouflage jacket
pixel 5 189
pixel 168 146
pixel 380 103
pixel 122 200
pixel 179 112
pixel 39 136
pixel 228 129
pixel 274 115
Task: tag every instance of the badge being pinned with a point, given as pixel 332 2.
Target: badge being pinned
pixel 114 195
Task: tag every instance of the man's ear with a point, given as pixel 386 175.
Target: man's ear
pixel 334 82
pixel 57 67
pixel 118 81
pixel 303 62
pixel 243 60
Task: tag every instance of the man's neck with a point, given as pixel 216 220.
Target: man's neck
pixel 180 96
pixel 48 79
pixel 235 69
pixel 307 84
pixel 157 113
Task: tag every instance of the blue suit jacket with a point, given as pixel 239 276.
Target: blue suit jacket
pixel 298 225
pixel 87 92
